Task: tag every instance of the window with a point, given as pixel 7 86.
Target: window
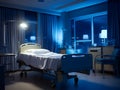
pixel 86 31
pixel 100 30
pixel 30 33
pixel 83 29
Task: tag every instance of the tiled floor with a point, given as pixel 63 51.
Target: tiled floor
pixel 34 81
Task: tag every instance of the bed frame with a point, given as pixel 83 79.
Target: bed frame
pixel 69 63
pixel 27 46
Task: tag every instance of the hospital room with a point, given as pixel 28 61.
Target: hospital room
pixel 59 45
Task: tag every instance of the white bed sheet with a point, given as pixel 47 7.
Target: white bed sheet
pixel 47 61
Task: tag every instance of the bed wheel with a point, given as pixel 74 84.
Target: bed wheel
pixel 21 75
pixel 76 80
pixel 25 73
pixel 53 85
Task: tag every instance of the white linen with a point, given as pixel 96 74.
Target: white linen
pixel 37 51
pixel 46 60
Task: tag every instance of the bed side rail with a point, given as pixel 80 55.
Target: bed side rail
pixel 76 63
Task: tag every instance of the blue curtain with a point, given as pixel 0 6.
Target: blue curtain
pixel 9 18
pixel 9 44
pixel 114 21
pixel 13 35
pixel 49 27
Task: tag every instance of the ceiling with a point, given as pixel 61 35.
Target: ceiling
pixel 50 6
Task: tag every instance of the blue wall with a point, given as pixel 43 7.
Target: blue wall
pixel 88 10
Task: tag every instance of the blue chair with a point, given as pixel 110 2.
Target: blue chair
pixel 108 59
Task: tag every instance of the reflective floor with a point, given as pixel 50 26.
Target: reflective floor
pixel 34 81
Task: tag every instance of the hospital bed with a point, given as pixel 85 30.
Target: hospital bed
pixel 31 54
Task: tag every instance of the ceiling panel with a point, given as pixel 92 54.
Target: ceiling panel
pixel 49 5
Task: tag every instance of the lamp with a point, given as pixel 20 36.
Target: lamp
pixel 85 36
pixel 103 36
pixel 23 26
pixel 32 38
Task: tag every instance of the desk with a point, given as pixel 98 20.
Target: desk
pixel 101 50
pixel 8 60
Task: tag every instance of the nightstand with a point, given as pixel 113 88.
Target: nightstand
pixel 8 60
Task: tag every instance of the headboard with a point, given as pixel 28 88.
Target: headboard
pixel 27 46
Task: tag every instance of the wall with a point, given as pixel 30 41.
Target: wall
pixel 65 28
pixel 88 10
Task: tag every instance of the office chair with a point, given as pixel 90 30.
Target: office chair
pixel 108 59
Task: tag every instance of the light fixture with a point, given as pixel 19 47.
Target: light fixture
pixel 103 37
pixel 32 38
pixel 104 33
pixel 40 0
pixel 85 36
pixel 23 26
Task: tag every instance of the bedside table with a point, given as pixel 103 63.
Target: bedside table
pixel 8 60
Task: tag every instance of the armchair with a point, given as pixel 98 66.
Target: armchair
pixel 108 59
